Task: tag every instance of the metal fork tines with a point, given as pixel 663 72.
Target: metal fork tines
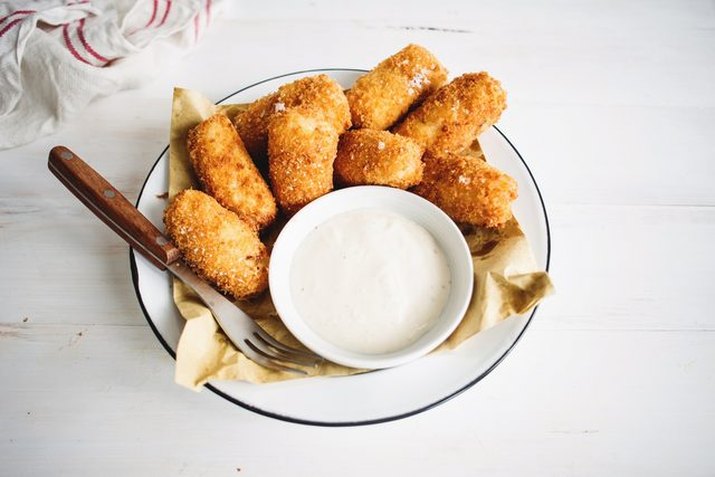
pixel 246 334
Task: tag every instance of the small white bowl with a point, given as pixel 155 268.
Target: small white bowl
pixel 410 206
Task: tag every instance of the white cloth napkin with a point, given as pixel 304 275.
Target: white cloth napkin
pixel 56 56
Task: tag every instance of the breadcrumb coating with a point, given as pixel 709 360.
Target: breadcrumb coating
pixel 453 117
pixel 366 156
pixel 252 124
pixel 321 93
pixel 301 149
pixel 468 189
pixel 382 96
pixel 217 245
pixel 227 172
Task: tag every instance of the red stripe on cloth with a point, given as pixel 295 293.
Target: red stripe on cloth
pixel 208 10
pixel 166 13
pixel 24 12
pixel 196 28
pixel 9 26
pixel 153 13
pixel 87 46
pixel 70 47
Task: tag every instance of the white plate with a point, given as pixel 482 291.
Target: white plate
pixel 373 397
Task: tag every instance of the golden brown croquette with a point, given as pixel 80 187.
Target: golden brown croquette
pixel 301 149
pixel 382 96
pixel 321 93
pixel 366 156
pixel 227 172
pixel 217 245
pixel 468 189
pixel 453 117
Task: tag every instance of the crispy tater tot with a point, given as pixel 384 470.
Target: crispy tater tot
pixel 321 93
pixel 301 150
pixel 453 117
pixel 366 156
pixel 217 245
pixel 227 172
pixel 468 189
pixel 382 96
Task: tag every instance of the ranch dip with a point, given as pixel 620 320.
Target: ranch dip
pixel 369 281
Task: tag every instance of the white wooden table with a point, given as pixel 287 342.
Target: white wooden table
pixel 612 106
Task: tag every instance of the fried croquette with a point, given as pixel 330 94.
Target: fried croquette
pixel 320 93
pixel 453 117
pixel 217 245
pixel 227 172
pixel 382 96
pixel 252 124
pixel 301 150
pixel 468 189
pixel 366 156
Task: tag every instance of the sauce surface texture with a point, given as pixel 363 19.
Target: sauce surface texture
pixel 369 281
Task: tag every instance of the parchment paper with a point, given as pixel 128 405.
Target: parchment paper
pixel 506 279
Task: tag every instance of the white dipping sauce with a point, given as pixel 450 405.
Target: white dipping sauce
pixel 369 281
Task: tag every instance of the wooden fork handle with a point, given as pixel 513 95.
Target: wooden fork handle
pixel 107 203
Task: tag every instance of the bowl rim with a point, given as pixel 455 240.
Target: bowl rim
pixel 368 197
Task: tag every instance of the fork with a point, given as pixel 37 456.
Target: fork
pixel 120 215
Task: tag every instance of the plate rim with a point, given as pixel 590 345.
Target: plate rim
pixel 309 422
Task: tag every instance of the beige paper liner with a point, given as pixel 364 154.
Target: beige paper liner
pixel 506 280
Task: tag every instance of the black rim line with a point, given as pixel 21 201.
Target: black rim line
pixel 135 282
